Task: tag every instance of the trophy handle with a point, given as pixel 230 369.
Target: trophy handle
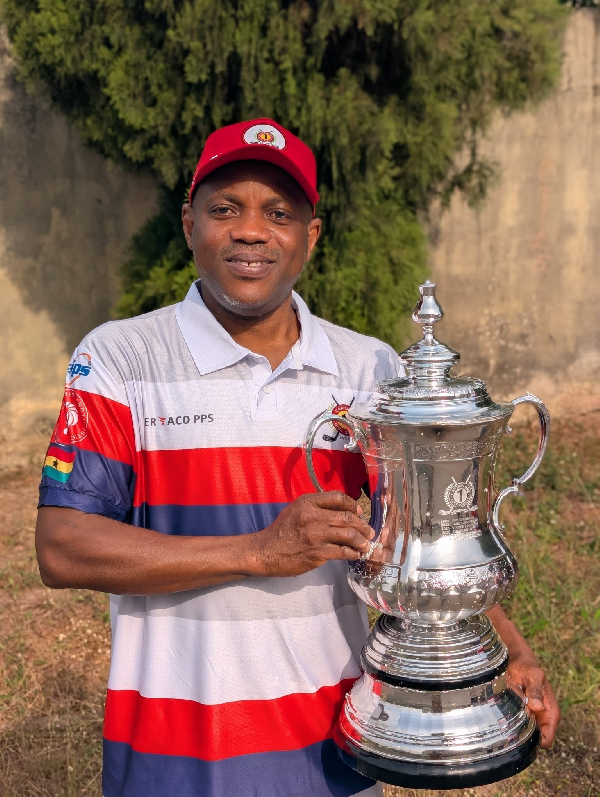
pixel 544 416
pixel 316 423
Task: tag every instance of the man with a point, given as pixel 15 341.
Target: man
pixel 175 481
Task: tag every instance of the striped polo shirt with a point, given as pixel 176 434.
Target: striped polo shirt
pixel 167 423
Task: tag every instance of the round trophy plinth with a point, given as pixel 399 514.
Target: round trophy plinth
pixel 435 709
pixel 416 775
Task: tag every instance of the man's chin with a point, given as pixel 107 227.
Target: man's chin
pixel 244 305
pixel 247 303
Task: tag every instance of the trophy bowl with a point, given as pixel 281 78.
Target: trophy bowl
pixel 434 707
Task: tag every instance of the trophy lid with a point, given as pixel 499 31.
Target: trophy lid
pixel 429 393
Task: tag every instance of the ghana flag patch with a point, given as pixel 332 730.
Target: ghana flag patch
pixel 58 464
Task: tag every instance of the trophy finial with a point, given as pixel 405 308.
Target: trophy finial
pixel 427 312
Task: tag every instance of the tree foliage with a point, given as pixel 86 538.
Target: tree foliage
pixel 386 92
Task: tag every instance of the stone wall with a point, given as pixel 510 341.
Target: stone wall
pixel 520 280
pixel 67 216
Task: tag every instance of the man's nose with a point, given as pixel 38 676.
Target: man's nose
pixel 250 227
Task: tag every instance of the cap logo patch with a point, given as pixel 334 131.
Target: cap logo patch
pixel 265 134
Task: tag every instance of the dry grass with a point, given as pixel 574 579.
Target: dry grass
pixel 54 649
pixel 54 646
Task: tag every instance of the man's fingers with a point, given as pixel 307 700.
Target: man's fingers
pixel 542 703
pixel 348 519
pixel 335 499
pixel 348 536
pixel 548 723
pixel 534 687
pixel 547 731
pixel 343 511
pixel 550 717
pixel 527 673
pixel 342 552
pixel 536 700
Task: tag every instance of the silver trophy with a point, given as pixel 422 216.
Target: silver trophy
pixel 434 707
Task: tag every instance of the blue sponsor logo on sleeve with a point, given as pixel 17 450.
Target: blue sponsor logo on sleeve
pixel 75 369
pixel 80 366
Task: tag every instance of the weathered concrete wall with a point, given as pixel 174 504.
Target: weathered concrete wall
pixel 520 280
pixel 66 220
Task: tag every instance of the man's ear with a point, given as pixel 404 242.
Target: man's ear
pixel 187 219
pixel 314 231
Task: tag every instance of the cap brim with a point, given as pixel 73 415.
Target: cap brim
pixel 258 152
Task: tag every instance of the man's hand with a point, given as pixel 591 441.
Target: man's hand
pixel 524 670
pixel 310 531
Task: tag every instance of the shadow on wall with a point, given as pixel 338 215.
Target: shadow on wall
pixel 66 214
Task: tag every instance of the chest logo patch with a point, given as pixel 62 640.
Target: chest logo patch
pixel 339 429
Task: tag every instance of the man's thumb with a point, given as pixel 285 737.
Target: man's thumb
pixel 536 697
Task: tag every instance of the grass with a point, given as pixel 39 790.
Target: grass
pixel 54 646
pixel 554 528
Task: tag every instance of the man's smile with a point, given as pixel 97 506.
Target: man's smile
pixel 253 266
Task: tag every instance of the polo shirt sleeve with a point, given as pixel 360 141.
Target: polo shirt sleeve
pixel 389 365
pixel 89 464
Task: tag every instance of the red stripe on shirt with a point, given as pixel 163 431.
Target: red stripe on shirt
pixel 106 426
pixel 166 726
pixel 250 475
pixel 60 453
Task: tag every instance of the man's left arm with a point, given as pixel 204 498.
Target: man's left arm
pixel 524 669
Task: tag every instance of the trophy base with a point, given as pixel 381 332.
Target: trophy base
pixel 435 708
pixel 424 775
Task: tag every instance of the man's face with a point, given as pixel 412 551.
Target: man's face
pixel 251 233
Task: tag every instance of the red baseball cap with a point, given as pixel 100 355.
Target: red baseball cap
pixel 264 140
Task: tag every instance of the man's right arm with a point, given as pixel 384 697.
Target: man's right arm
pixel 87 551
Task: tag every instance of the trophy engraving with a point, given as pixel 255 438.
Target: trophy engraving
pixel 434 708
pixel 439 451
pixel 458 495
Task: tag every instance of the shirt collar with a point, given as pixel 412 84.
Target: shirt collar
pixel 213 348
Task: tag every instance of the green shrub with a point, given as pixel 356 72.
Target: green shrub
pixel 386 92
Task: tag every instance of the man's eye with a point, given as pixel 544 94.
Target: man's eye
pixel 221 211
pixel 279 215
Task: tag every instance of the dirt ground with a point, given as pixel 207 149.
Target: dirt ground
pixel 55 645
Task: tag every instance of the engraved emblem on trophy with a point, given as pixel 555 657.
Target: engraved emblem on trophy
pixel 433 707
pixel 458 495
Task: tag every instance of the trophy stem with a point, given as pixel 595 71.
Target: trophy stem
pixel 403 653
